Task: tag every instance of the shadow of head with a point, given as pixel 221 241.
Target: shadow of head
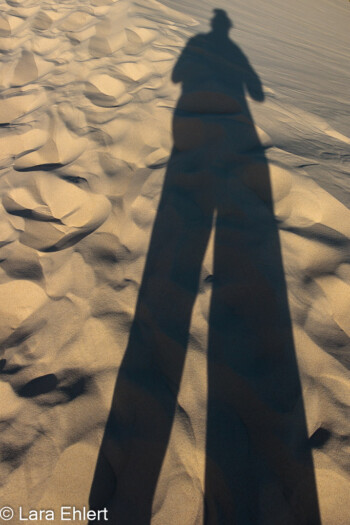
pixel 221 23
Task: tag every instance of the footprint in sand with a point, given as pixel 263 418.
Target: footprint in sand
pixel 106 91
pixel 56 213
pixel 41 22
pixel 26 70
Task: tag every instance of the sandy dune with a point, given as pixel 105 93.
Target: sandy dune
pixel 174 266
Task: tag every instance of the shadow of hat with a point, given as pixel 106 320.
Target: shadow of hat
pixel 220 20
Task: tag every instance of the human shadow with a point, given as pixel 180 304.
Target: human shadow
pixel 259 466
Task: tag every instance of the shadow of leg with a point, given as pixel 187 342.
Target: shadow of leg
pixel 145 396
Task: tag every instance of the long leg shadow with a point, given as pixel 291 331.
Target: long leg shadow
pixel 259 466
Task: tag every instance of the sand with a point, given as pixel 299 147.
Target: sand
pixel 174 260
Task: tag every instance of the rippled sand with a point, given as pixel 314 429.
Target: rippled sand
pixel 86 112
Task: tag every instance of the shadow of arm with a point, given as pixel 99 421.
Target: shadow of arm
pixel 254 85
